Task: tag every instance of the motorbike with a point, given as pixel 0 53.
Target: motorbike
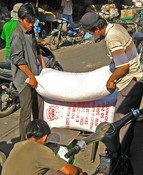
pixel 114 161
pixel 9 101
pixel 72 33
pixel 46 22
pixel 9 98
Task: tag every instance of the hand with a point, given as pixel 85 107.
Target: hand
pixel 32 82
pixel 69 169
pixel 43 42
pixel 110 85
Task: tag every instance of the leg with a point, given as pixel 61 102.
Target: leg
pixel 38 106
pixel 25 112
pixel 65 16
pixel 39 66
pixel 8 59
pixel 47 62
pixel 70 19
pixel 129 98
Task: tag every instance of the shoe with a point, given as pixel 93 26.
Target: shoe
pixel 2 158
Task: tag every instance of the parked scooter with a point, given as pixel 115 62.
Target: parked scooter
pixel 9 98
pixel 114 161
pixel 46 22
pixel 66 33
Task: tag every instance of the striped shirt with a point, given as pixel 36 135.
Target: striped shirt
pixel 123 51
pixel 67 7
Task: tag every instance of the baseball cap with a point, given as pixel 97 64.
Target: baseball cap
pixel 14 12
pixel 88 20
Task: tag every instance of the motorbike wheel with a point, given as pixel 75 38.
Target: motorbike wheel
pixel 7 102
pixel 54 42
pixel 82 34
pixel 80 39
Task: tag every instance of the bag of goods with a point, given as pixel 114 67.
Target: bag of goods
pixel 74 87
pixel 84 116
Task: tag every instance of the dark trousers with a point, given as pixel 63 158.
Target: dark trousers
pixel 30 102
pixel 127 99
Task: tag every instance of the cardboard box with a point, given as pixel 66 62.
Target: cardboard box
pixel 108 7
pixel 138 4
pixel 127 14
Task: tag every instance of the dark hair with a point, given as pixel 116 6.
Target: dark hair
pixel 28 11
pixel 99 24
pixel 37 128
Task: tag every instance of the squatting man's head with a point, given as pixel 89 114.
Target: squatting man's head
pixel 37 130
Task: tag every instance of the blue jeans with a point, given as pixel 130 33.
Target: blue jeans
pixel 7 59
pixel 68 17
pixel 47 62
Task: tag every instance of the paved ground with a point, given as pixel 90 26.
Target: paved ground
pixel 9 134
pixel 9 125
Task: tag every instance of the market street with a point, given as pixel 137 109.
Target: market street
pixel 78 58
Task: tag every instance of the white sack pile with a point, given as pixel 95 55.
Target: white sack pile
pixel 84 116
pixel 73 87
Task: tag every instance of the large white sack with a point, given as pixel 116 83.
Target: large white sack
pixel 73 87
pixel 79 115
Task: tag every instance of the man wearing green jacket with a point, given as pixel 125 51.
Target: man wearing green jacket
pixel 8 29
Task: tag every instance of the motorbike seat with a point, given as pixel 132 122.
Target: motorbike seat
pixel 74 26
pixel 46 17
pixel 5 65
pixel 138 36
